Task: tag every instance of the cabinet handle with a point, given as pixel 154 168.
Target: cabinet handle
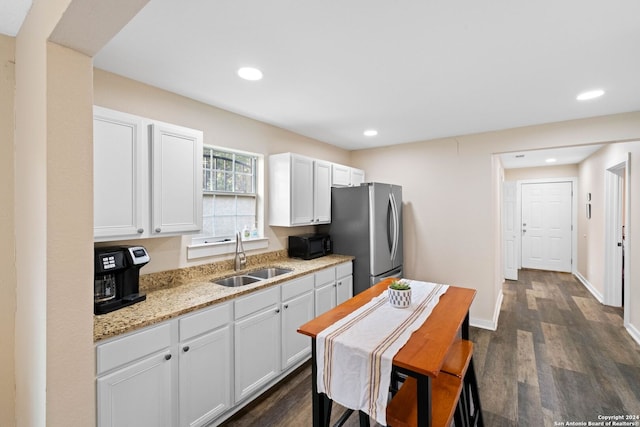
pixel 339 283
pixel 140 230
pixel 185 348
pixel 286 306
pixel 277 310
pixel 158 230
pixel 167 357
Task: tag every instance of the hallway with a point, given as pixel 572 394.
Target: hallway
pixel 558 355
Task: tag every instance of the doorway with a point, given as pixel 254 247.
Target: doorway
pixel 546 225
pixel 616 214
pixel 538 232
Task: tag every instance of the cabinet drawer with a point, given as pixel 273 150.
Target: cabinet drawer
pixel 257 301
pixel 124 350
pixel 345 269
pixel 205 320
pixel 325 276
pixel 297 287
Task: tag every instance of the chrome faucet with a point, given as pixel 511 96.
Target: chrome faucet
pixel 240 260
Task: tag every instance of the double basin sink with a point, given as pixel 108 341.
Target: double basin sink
pixel 251 277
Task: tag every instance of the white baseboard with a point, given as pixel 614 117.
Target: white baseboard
pixel 633 331
pixel 597 295
pixel 491 325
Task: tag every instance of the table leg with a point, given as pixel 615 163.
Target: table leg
pixel 424 400
pixel 465 327
pixel 319 401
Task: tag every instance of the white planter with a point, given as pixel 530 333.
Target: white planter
pixel 400 298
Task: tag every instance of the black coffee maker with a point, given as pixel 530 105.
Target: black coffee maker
pixel 117 271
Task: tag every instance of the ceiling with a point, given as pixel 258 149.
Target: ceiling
pixel 12 13
pixel 411 69
pixel 552 157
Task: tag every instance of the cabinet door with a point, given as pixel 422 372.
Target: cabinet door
pixel 119 174
pixel 205 377
pixel 325 298
pixel 139 395
pixel 340 175
pixel 357 177
pixel 301 190
pixel 344 289
pixel 322 192
pixel 296 312
pixel 176 179
pixel 257 351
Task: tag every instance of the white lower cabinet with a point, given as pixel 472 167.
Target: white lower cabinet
pixel 139 395
pixel 135 382
pixel 344 282
pixel 297 309
pixel 206 368
pixel 200 368
pixel 325 298
pixel 333 286
pixel 257 341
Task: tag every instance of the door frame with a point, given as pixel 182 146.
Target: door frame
pixel 613 222
pixel 574 215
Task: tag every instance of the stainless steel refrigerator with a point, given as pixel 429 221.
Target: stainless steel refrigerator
pixel 366 222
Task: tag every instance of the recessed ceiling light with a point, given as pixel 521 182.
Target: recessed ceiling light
pixel 370 132
pixel 250 73
pixel 551 160
pixel 591 94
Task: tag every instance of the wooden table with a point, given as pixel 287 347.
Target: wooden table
pixel 421 357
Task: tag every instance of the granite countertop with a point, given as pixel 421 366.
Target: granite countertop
pixel 171 294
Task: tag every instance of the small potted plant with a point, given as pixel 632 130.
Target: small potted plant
pixel 400 294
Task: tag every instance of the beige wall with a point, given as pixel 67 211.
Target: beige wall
pixel 7 241
pixel 449 196
pixel 221 128
pixel 559 171
pixel 53 205
pixel 69 238
pixel 591 232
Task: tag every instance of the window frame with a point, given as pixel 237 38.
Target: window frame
pixel 203 245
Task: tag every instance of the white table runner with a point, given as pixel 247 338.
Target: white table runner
pixel 354 355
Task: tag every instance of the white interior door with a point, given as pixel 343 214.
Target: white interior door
pixel 546 226
pixel 510 230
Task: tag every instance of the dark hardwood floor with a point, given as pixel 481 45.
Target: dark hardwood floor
pixel 558 356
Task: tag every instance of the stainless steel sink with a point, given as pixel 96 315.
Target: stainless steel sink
pixel 268 273
pixel 234 281
pixel 251 277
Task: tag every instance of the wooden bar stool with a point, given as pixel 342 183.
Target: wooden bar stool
pixel 459 362
pixel 454 394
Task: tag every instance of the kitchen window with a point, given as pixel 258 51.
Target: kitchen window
pixel 231 199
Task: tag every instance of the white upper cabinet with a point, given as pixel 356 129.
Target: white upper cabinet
pixel 322 192
pixel 147 177
pixel 176 179
pixel 119 179
pixel 345 176
pixel 357 177
pixel 300 190
pixel 340 175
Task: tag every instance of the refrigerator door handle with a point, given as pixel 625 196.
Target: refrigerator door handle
pixel 396 226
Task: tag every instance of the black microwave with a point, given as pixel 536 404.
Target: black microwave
pixel 310 246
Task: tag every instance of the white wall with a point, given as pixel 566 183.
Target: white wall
pixel 449 192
